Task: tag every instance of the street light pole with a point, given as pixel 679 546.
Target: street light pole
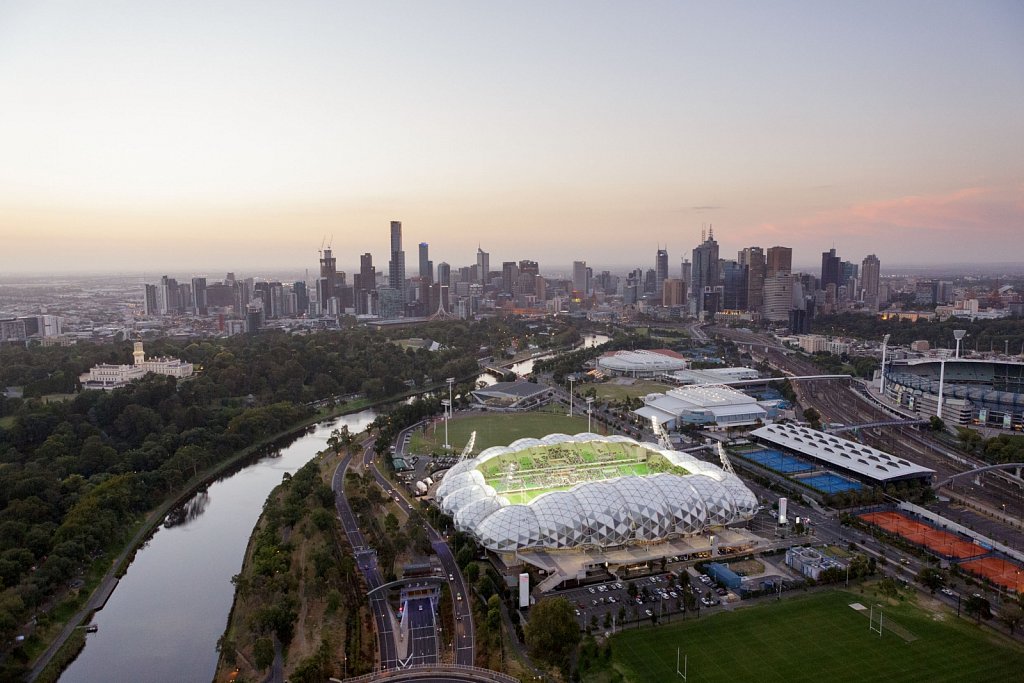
pixel 590 402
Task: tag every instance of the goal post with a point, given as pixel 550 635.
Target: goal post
pixel 872 625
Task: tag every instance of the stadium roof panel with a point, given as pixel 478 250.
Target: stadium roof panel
pixel 848 455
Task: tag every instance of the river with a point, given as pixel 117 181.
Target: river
pixel 164 618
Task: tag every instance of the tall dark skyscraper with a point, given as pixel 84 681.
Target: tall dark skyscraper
pixel 870 270
pixel 483 266
pixel 734 293
pixel 426 265
pixel 444 274
pixel 830 269
pixel 752 258
pixel 660 270
pixel 396 266
pixel 329 272
pixel 301 297
pixel 509 276
pixel 199 305
pixel 705 271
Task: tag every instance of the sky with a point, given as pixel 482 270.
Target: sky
pixel 223 136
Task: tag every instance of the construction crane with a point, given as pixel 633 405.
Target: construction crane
pixel 469 447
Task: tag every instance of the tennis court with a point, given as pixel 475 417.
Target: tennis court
pixel 998 571
pixel 942 542
pixel 827 482
pixel 778 461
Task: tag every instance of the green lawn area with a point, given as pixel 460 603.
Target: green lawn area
pixel 7 422
pixel 818 638
pixel 496 429
pixel 617 392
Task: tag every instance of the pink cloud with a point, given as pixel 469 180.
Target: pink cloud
pixel 989 210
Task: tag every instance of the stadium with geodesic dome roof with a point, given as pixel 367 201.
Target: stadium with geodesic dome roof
pixel 588 490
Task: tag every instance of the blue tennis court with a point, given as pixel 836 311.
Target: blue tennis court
pixel 778 461
pixel 830 483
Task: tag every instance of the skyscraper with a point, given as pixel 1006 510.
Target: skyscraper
pixel 329 272
pixel 199 305
pixel 780 259
pixel 870 270
pixel 830 269
pixel 509 276
pixel 444 274
pixel 705 271
pixel 396 268
pixel 483 266
pixel 426 266
pixel 734 279
pixel 579 277
pixel 754 261
pixel 778 297
pixel 660 269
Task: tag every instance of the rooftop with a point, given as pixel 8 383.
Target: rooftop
pixel 848 455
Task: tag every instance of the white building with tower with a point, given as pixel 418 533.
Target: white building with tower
pixel 107 376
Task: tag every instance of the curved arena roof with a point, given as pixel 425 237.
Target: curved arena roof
pixel 643 362
pixel 602 513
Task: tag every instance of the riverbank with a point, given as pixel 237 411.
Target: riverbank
pixel 54 658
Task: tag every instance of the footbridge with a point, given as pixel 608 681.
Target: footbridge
pixel 988 468
pixel 883 423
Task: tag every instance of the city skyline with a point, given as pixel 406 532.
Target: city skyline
pixel 143 137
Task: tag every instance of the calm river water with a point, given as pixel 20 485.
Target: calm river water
pixel 164 618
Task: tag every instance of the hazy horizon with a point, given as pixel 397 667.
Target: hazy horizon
pixel 191 136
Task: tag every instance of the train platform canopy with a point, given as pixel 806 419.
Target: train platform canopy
pixel 864 461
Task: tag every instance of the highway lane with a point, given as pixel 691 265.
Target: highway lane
pixel 463 642
pixel 366 560
pixel 423 637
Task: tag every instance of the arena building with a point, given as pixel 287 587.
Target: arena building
pixel 979 391
pixel 588 492
pixel 644 363
pixel 704 405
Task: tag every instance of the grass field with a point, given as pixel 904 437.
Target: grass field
pixel 496 429
pixel 7 422
pixel 818 638
pixel 609 391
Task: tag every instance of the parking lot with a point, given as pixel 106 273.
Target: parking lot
pixel 661 594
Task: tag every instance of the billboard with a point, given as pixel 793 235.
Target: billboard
pixel 782 510
pixel 524 590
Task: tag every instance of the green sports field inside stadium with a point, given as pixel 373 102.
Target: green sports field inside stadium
pixel 819 637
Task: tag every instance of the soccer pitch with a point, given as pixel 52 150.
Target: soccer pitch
pixel 496 429
pixel 817 638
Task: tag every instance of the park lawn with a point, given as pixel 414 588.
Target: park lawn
pixel 7 422
pixel 609 391
pixel 818 637
pixel 495 429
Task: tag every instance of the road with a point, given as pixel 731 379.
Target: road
pixel 366 560
pixel 465 652
pixel 423 634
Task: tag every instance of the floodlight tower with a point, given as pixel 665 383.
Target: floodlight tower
pixel 885 345
pixel 451 381
pixel 942 378
pixel 447 405
pixel 571 380
pixel 590 403
pixel 959 335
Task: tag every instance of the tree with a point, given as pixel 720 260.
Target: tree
pixel 936 423
pixel 552 632
pixel 814 417
pixel 1011 615
pixel 931 579
pixel 263 651
pixel 608 619
pixel 978 607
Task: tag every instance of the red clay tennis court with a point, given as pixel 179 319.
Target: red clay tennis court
pixel 941 542
pixel 998 571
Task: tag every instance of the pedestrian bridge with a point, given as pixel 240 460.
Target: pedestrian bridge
pixel 882 423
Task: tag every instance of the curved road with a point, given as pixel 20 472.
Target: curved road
pixel 465 653
pixel 366 560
